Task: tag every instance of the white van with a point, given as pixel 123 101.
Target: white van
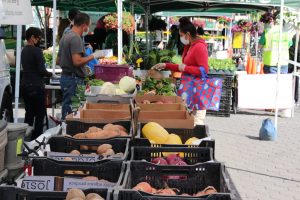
pixel 6 110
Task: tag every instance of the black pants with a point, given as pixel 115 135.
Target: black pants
pixel 34 99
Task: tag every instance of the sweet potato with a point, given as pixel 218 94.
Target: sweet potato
pixel 68 159
pixel 68 172
pixel 84 147
pixel 75 193
pixel 123 134
pixel 93 129
pixel 143 186
pixel 78 172
pixel 103 148
pixel 121 128
pixel 167 191
pixel 80 136
pixel 109 152
pixel 75 152
pixel 93 196
pixel 93 148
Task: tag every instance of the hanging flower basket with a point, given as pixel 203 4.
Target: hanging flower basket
pixel 111 22
pixel 242 26
pixel 224 20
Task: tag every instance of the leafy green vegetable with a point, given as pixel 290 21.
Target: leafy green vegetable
pixel 95 82
pixel 165 59
pixel 78 97
pixel 161 87
pixel 222 64
pixel 176 59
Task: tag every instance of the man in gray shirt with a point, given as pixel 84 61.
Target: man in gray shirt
pixel 72 59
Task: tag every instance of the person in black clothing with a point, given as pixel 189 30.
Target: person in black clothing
pixel 291 66
pixel 32 83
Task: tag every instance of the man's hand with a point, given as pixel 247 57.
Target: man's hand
pixel 97 54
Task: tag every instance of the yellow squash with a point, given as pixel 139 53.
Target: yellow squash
pixel 155 132
pixel 173 139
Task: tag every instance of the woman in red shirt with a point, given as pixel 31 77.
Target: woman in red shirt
pixel 195 56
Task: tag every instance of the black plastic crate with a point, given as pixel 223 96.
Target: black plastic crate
pixel 110 170
pixel 199 131
pixel 67 144
pixel 74 127
pixel 194 178
pixel 124 194
pixel 190 155
pixel 15 193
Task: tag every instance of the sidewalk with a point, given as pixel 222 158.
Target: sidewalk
pixel 260 170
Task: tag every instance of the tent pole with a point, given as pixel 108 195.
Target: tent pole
pixel 147 30
pixel 45 27
pixel 18 68
pixel 279 63
pixel 120 33
pixel 296 45
pixel 131 35
pixel 54 37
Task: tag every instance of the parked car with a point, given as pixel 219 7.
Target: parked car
pixel 6 110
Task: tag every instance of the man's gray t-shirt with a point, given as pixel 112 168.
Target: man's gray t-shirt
pixel 71 43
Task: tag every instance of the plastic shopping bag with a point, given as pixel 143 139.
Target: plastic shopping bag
pixel 267 130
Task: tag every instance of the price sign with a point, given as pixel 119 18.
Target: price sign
pixel 82 184
pixel 15 12
pixel 38 183
pixel 77 158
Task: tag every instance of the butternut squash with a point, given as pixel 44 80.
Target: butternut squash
pixel 155 132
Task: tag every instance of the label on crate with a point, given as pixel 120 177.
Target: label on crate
pixel 84 184
pixel 38 183
pixel 75 158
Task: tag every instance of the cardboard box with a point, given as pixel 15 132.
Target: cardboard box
pixel 144 107
pixel 105 116
pixel 162 107
pixel 155 98
pixel 99 106
pixel 168 119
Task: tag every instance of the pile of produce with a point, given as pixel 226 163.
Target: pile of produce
pixel 156 134
pixel 221 65
pixel 157 102
pixel 171 159
pixel 158 87
pixel 163 56
pixel 108 131
pixel 104 150
pixel 77 194
pixel 126 85
pixel 108 61
pixel 95 82
pixel 146 187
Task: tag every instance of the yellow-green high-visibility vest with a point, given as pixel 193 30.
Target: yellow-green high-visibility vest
pixel 270 50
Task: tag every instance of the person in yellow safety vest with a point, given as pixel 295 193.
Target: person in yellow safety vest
pixel 269 42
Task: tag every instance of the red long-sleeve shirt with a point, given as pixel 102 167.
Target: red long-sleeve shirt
pixel 194 56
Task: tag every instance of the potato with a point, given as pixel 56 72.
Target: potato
pixel 93 129
pixel 75 193
pixel 67 135
pixel 68 172
pixel 93 196
pixel 93 154
pixel 68 159
pixel 80 136
pixel 84 147
pixel 90 178
pixel 95 135
pixel 121 128
pixel 103 148
pixel 77 198
pixel 109 152
pixel 75 152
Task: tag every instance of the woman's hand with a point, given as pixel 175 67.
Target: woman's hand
pixel 159 66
